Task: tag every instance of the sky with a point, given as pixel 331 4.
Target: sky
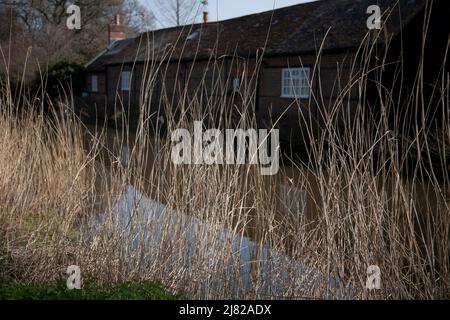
pixel 226 9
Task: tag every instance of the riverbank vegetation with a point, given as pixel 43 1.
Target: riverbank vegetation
pixel 57 290
pixel 374 195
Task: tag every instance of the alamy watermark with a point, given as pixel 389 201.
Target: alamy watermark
pixel 74 277
pixel 234 147
pixel 374 20
pixel 373 278
pixel 74 20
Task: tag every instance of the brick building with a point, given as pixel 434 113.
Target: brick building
pixel 275 53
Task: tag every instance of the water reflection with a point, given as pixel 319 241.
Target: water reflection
pixel 148 228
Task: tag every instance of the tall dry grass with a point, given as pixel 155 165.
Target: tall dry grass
pixel 57 175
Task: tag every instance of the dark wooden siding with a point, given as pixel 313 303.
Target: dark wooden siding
pixel 174 77
pixel 328 78
pixel 101 83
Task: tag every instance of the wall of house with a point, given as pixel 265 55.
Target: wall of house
pixel 330 87
pixel 94 103
pixel 153 88
pixel 101 83
pixel 123 104
pixel 405 53
pixel 174 85
pixel 211 85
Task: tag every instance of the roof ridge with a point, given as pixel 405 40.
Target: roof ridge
pixel 288 30
pixel 182 27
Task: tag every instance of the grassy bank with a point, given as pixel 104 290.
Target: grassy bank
pixel 132 290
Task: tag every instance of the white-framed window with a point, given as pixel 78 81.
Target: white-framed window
pixel 125 78
pixel 295 83
pixel 94 83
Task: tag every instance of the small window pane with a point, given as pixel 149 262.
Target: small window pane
pixel 295 82
pixel 94 86
pixel 125 81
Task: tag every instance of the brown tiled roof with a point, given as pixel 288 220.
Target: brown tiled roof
pixel 111 53
pixel 291 30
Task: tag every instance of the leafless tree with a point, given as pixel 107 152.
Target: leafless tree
pixel 176 12
pixel 138 17
pixel 35 14
pixel 34 31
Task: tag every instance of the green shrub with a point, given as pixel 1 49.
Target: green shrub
pixel 63 77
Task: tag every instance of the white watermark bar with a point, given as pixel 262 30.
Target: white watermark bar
pixel 234 147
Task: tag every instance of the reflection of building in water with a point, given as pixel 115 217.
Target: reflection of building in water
pixel 292 200
pixel 125 155
pixel 150 229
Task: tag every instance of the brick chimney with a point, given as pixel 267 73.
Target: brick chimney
pixel 116 31
pixel 205 11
